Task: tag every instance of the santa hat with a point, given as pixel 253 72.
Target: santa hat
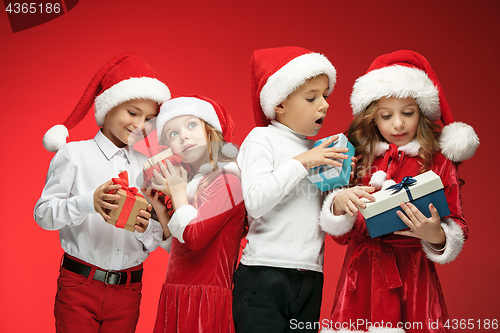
pixel 278 72
pixel 405 74
pixel 125 77
pixel 208 110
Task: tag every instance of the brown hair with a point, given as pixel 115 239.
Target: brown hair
pixel 364 136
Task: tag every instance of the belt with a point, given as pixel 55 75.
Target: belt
pixel 108 277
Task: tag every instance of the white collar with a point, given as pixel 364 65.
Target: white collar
pixel 108 148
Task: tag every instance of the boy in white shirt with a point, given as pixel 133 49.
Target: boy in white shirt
pixel 99 286
pixel 278 284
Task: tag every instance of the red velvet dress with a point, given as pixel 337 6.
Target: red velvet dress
pixel 390 280
pixel 197 293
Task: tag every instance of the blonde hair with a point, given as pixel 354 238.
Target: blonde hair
pixel 364 135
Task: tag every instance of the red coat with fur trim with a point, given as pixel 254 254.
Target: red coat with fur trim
pixel 197 293
pixel 392 279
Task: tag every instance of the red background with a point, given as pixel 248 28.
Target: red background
pixel 204 47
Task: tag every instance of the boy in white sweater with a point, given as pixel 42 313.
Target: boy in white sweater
pixel 278 284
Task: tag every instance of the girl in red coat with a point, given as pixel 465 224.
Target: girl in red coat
pixel 206 227
pixel 389 283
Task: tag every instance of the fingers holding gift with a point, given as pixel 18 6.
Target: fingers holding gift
pixel 349 200
pixel 421 227
pixel 143 219
pixel 104 200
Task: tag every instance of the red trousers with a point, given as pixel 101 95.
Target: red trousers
pixel 87 305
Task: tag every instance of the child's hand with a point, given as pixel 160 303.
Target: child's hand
pixel 102 200
pixel 421 227
pixel 158 182
pixel 322 155
pixel 143 219
pixel 348 200
pixel 176 179
pixel 159 207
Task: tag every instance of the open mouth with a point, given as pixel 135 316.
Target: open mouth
pixel 319 122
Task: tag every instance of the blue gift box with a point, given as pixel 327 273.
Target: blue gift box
pixel 328 177
pixel 381 217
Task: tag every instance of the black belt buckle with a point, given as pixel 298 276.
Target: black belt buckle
pixel 110 277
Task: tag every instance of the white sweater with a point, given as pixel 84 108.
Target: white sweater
pixel 282 204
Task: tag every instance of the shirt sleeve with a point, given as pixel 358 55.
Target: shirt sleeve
pixel 264 185
pixel 152 237
pixel 196 227
pixel 56 207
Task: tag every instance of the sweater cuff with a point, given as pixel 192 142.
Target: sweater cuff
pixel 335 225
pixel 180 220
pixel 454 243
pixel 152 236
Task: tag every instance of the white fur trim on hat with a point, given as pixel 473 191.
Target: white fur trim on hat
pixel 126 90
pixel 454 243
pixel 396 81
pixel 335 225
pixel 458 141
pixel 55 138
pixel 291 76
pixel 187 106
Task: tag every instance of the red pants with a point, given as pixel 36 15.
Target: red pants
pixel 87 305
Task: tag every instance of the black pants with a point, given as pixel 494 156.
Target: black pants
pixel 270 299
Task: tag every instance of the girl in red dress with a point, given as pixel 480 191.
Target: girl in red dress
pixel 389 283
pixel 206 228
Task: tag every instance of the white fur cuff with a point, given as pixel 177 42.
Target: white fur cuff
pixel 181 218
pixel 454 243
pixel 335 225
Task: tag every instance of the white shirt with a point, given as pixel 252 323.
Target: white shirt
pixel 282 203
pixel 67 205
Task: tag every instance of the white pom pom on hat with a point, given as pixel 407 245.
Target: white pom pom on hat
pixel 406 73
pixel 277 72
pixel 125 77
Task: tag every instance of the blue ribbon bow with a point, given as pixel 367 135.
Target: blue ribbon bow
pixel 405 183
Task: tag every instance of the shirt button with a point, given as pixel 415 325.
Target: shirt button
pixel 118 251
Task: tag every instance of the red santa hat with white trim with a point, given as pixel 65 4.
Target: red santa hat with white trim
pixel 125 77
pixel 277 72
pixel 405 74
pixel 208 110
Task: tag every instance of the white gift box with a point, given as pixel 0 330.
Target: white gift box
pixel 381 217
pixel 328 177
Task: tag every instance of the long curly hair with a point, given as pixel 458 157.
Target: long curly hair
pixel 364 135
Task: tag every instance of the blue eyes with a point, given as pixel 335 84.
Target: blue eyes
pixel 191 125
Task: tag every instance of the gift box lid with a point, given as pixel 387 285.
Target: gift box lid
pixel 324 173
pixel 157 158
pixel 424 184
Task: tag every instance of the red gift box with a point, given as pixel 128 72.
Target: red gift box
pixel 130 202
pixel 152 163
